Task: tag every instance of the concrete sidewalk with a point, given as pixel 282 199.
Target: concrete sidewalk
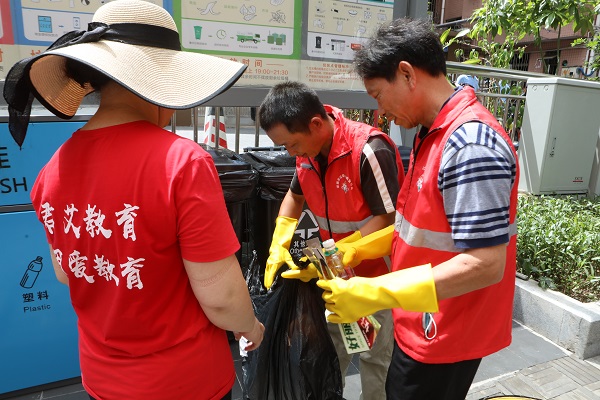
pixel 530 366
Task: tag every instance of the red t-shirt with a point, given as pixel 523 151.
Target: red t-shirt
pixel 122 206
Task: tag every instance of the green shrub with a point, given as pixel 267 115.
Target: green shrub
pixel 558 244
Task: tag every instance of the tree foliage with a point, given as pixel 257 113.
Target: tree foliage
pixel 499 26
pixel 592 42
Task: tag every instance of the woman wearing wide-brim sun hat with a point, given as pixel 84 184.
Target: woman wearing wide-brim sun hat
pixel 134 214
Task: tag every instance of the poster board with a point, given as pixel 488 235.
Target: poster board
pixel 312 41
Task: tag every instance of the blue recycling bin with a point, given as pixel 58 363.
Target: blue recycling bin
pixel 38 338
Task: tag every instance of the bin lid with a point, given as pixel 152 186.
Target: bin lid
pixel 262 157
pixel 226 160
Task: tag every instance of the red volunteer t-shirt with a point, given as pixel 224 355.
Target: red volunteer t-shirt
pixel 121 206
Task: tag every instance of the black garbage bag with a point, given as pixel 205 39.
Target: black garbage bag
pixel 275 182
pixel 297 359
pixel 262 157
pixel 276 169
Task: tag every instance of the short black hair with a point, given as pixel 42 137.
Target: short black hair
pixel 292 104
pixel 403 39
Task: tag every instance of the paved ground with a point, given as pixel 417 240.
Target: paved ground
pixel 530 366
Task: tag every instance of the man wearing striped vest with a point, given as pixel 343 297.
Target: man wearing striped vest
pixel 453 244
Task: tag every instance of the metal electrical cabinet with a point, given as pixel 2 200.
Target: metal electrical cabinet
pixel 38 334
pixel 559 134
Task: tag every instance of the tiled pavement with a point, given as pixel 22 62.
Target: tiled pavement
pixel 535 367
pixel 563 378
pixel 530 366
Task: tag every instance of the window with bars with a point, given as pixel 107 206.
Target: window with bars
pixel 520 63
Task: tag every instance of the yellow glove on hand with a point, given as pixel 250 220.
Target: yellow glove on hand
pixel 375 245
pixel 353 237
pixel 278 252
pixel 344 244
pixel 411 289
pixel 304 274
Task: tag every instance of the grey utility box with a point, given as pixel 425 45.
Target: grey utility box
pixel 559 134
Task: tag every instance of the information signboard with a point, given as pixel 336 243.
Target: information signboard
pixel 311 41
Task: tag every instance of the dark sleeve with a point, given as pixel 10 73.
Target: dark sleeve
pixel 295 185
pixel 379 175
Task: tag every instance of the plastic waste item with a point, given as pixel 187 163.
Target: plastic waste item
pixel 314 252
pixel 360 335
pixel 243 343
pixel 334 257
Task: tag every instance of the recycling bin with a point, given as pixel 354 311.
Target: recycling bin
pixel 38 339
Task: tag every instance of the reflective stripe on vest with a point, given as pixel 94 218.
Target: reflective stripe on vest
pixel 425 238
pixel 341 226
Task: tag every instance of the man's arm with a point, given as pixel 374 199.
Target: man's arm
pixel 379 183
pixel 476 177
pixel 379 177
pixel 472 270
pixel 376 223
pixel 291 205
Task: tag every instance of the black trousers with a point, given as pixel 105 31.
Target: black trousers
pixel 409 379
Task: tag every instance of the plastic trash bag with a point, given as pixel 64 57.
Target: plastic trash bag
pixel 276 170
pixel 297 359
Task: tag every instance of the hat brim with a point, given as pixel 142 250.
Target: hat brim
pixel 168 78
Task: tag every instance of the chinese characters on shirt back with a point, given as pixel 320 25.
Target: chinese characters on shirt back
pixel 94 221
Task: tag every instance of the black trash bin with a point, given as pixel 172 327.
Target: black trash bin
pixel 238 181
pixel 275 170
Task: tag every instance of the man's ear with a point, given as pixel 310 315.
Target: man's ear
pixel 316 123
pixel 406 72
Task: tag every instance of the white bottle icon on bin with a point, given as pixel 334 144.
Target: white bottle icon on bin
pixel 31 273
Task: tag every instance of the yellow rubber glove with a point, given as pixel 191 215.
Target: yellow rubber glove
pixel 305 274
pixel 353 237
pixel 279 251
pixel 375 245
pixel 411 289
pixel 311 272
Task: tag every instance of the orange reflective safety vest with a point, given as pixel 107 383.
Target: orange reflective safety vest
pixel 475 324
pixel 335 196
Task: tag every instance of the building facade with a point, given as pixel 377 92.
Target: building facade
pixel 456 14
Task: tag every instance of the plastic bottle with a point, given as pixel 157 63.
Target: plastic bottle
pixel 334 258
pixel 368 326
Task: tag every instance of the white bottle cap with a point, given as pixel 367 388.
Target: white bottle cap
pixel 329 244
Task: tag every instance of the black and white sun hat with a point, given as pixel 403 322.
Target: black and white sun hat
pixel 133 42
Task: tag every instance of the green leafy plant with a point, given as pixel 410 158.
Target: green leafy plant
pixel 558 244
pixel 367 117
pixel 592 43
pixel 499 27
